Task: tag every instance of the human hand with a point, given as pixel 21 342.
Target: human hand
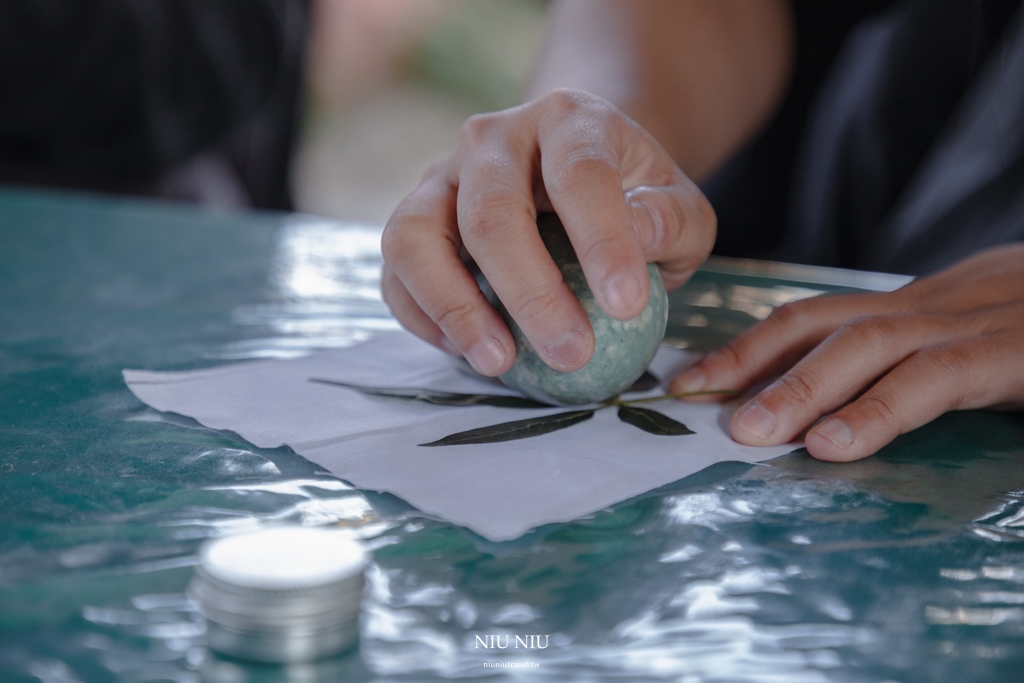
pixel 623 202
pixel 880 364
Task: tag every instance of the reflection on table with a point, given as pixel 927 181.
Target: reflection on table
pixel 907 566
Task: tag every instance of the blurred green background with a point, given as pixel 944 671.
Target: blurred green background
pixel 390 83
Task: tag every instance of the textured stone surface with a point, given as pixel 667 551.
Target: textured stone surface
pixel 623 349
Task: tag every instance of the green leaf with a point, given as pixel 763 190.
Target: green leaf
pixel 652 421
pixel 520 429
pixel 440 398
pixel 646 382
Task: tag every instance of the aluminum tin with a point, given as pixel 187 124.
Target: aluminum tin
pixel 280 611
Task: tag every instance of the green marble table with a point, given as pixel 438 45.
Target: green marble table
pixel 908 566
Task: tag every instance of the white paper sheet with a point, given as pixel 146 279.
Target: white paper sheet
pixel 499 490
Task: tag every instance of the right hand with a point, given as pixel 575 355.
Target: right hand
pixel 623 202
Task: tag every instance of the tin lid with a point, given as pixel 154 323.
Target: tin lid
pixel 283 559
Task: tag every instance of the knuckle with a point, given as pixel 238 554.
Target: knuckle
pixel 476 128
pixel 881 406
pixel 412 219
pixel 438 169
pixel 950 364
pixel 535 304
pixel 663 236
pixel 394 245
pixel 489 213
pixel 453 315
pixel 578 171
pixel 731 355
pixel 987 321
pixel 796 387
pixel 910 297
pixel 562 103
pixel 478 226
pixel 678 272
pixel 875 332
pixel 688 233
pixel 793 313
pixel 951 361
pixel 600 247
pixel 701 219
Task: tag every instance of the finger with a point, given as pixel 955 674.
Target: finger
pixel 965 374
pixel 581 142
pixel 990 278
pixel 847 362
pixel 421 246
pixel 674 225
pixel 410 315
pixel 498 224
pixel 776 343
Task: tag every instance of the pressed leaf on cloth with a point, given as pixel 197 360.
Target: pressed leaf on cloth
pixel 653 422
pixel 498 489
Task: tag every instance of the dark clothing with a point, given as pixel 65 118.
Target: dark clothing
pixel 899 147
pixel 196 99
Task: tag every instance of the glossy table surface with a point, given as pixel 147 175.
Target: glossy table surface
pixel 908 566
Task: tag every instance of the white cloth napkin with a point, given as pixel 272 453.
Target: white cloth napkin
pixel 499 490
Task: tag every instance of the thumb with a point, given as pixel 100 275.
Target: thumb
pixel 674 225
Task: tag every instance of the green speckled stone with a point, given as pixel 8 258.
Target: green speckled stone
pixel 623 349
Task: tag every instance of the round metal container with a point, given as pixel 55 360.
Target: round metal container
pixel 281 595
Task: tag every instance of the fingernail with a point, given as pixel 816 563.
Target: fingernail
pixel 568 351
pixel 691 380
pixel 757 421
pixel 836 431
pixel 487 356
pixel 622 291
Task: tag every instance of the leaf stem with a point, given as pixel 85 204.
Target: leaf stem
pixel 685 394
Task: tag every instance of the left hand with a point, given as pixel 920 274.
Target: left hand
pixel 878 365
